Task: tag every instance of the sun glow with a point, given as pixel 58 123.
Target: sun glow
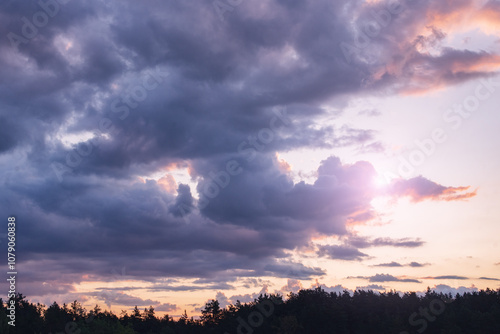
pixel 381 181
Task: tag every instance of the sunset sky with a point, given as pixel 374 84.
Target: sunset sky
pixel 167 153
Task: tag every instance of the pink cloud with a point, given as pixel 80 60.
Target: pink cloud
pixel 419 188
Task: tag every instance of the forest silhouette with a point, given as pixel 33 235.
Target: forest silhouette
pixel 308 311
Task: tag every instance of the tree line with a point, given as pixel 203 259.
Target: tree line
pixel 308 311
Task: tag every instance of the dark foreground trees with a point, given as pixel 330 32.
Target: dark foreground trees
pixel 308 311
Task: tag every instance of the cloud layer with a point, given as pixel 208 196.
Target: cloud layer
pixel 102 96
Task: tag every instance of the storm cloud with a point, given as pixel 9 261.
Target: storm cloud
pixel 99 96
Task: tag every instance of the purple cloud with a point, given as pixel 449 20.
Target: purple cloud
pixel 420 188
pixel 346 253
pixel 378 278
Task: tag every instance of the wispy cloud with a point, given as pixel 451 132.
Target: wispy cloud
pixel 346 253
pixel 489 279
pixel 420 188
pixel 387 278
pixel 391 264
pixel 371 287
pixel 112 297
pixel 397 264
pixel 366 242
pixel 454 277
pixel 446 289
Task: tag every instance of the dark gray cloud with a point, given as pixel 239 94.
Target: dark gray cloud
pixel 184 202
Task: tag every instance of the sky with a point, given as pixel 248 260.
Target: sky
pixel 167 153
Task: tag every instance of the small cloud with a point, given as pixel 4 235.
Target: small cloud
pixel 447 277
pixel 292 285
pixel 216 286
pixel 417 265
pixel 397 264
pixel 293 270
pixel 419 188
pixel 365 242
pixel 167 307
pixel 371 287
pixel 339 289
pixel 375 147
pixel 378 278
pixel 111 297
pixel 390 278
pixel 346 253
pixel 446 289
pixel 489 279
pixel 391 264
pixel 404 242
pixel 370 112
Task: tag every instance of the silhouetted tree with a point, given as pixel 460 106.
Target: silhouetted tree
pixel 212 313
pixel 308 311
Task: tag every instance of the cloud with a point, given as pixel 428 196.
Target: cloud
pixel 338 289
pixel 448 277
pixel 411 41
pixel 243 298
pixel 292 270
pixel 341 253
pixel 111 297
pixel 378 278
pixel 292 286
pixel 390 278
pixel 391 264
pixel 489 279
pixel 240 233
pixel 220 297
pixel 253 282
pixel 43 289
pixel 365 242
pixel 166 307
pixel 397 264
pixel 371 287
pixel 160 287
pixel 184 202
pixel 404 242
pixel 370 112
pixel 446 289
pixel 417 264
pixel 420 188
